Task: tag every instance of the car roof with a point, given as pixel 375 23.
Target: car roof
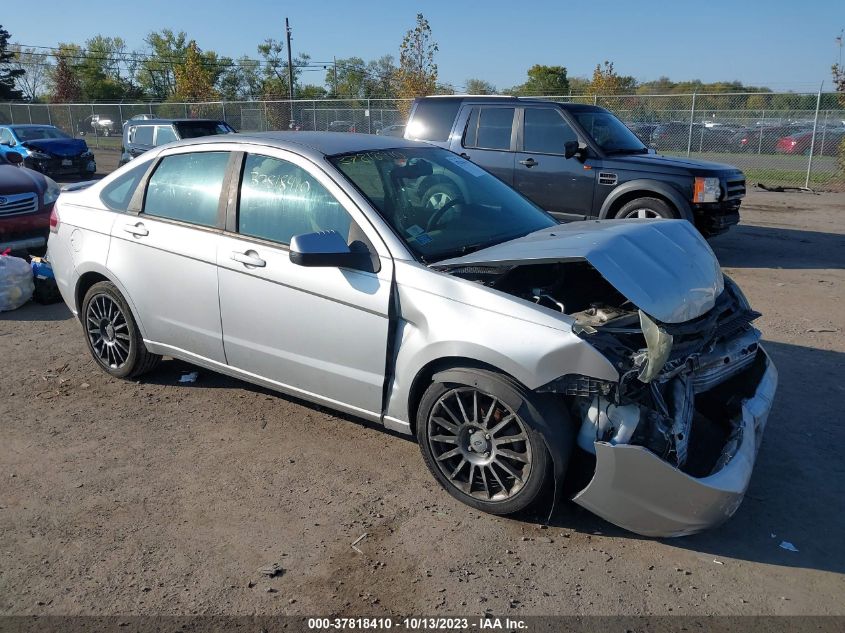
pixel 17 126
pixel 566 105
pixel 315 143
pixel 169 121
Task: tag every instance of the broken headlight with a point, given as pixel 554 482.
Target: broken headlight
pixel 658 347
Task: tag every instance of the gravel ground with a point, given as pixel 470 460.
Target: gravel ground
pixel 156 497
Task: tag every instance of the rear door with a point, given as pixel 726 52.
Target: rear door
pixel 562 186
pixel 141 139
pixel 165 253
pixel 489 139
pixel 319 332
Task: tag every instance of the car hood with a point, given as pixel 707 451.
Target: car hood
pixel 14 179
pixel 659 162
pixel 664 267
pixel 58 146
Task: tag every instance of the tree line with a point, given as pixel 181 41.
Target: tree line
pixel 173 67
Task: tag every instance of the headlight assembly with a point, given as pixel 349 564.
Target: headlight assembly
pixel 39 155
pixel 51 194
pixel 706 190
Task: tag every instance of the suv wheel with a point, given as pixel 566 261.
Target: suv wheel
pixel 485 452
pixel 646 208
pixel 439 195
pixel 112 335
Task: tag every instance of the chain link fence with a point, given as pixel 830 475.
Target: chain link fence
pixel 777 139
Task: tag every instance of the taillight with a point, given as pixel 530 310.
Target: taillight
pixel 54 220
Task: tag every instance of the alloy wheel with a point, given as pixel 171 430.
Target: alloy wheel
pixel 479 444
pixel 641 213
pixel 438 200
pixel 108 331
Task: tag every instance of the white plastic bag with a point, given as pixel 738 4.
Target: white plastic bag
pixel 16 285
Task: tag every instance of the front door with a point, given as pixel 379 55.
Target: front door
pixel 166 255
pixel 562 186
pixel 318 332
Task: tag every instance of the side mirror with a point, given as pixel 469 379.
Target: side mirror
pixel 326 249
pixel 14 158
pixel 571 148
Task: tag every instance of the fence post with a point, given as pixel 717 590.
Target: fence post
pixel 223 105
pixel 29 110
pixel 369 118
pixel 824 132
pixel 96 131
pixel 120 113
pixel 314 115
pixel 74 128
pixel 595 99
pixel 12 114
pixel 760 144
pixel 691 119
pixel 151 107
pixel 813 139
pixel 186 109
pixel 50 117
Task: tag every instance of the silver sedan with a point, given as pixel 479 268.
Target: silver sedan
pixel 614 355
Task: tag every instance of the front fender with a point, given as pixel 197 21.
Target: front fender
pixel 647 186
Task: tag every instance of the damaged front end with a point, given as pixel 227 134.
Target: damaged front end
pixel 672 443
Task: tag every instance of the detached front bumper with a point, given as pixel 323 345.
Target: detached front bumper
pixel 635 489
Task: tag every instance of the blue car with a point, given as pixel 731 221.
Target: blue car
pixel 45 148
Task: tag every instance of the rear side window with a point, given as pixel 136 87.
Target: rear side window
pixel 186 187
pixel 489 128
pixel 545 131
pixel 433 119
pixel 142 135
pixel 118 193
pixel 165 134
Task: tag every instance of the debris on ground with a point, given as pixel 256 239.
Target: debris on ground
pixel 718 562
pixel 273 570
pixel 789 547
pixel 16 285
pixel 358 540
pixel 191 377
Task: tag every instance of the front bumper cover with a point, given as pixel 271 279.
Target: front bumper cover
pixel 635 489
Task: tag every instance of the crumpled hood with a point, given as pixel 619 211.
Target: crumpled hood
pixel 664 267
pixel 58 146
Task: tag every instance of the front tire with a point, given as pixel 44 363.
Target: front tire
pixel 112 335
pixel 646 208
pixel 482 441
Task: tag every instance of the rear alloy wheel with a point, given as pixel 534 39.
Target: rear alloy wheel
pixel 482 450
pixel 646 208
pixel 112 335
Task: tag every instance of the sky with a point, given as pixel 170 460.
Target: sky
pixel 774 43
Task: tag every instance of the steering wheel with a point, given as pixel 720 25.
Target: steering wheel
pixel 438 215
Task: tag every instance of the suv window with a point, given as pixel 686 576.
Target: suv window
pixel 141 135
pixel 279 200
pixel 433 119
pixel 545 131
pixel 165 134
pixel 6 137
pixel 186 187
pixel 118 193
pixel 489 128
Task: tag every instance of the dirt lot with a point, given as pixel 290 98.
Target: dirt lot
pixel 158 497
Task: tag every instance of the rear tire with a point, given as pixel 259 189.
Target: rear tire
pixel 440 194
pixel 112 335
pixel 482 441
pixel 646 208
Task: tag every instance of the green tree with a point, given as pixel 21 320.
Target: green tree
pixel 417 74
pixel 381 77
pixel 480 87
pixel 36 67
pixel 543 81
pixel 310 91
pixel 606 81
pixel 275 69
pixel 9 74
pixel 155 74
pixel 241 79
pixel 347 78
pixel 193 80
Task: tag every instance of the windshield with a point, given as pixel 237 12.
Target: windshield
pixel 610 133
pixel 38 133
pixel 203 128
pixel 441 204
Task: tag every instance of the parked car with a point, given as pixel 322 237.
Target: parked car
pixel 677 136
pixel 309 263
pixel 575 161
pixel 26 201
pixel 142 136
pixel 392 130
pixel 97 124
pixel 341 126
pixel 47 149
pixel 642 130
pixel 828 142
pixel 762 139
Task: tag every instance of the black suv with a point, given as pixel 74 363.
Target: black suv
pixel 576 161
pixel 140 136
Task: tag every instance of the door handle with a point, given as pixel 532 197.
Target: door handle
pixel 250 258
pixel 464 155
pixel 529 162
pixel 137 230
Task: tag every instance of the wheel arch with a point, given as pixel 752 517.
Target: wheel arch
pixel 643 188
pixel 94 275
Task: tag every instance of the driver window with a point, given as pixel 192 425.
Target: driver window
pixel 545 131
pixel 279 200
pixel 6 137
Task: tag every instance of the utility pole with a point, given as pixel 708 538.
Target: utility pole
pixel 334 57
pixel 290 62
